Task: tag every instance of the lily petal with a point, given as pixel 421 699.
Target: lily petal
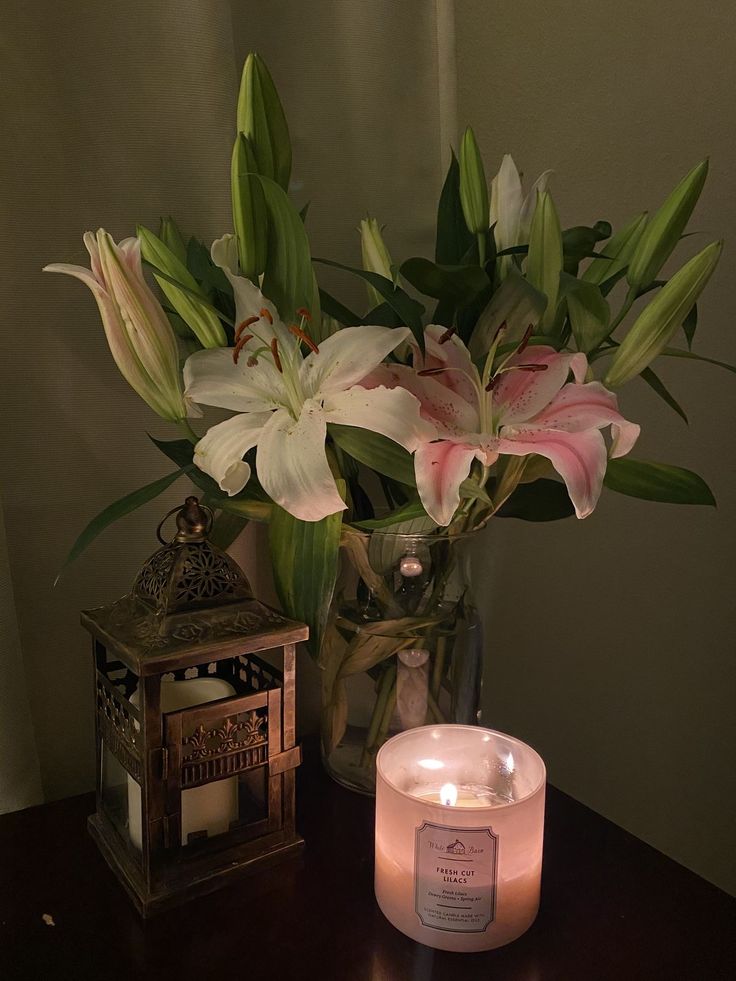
pixel 452 354
pixel 212 378
pixel 224 252
pixel 591 406
pixel 249 301
pixel 347 356
pixel 520 395
pixel 579 458
pixel 392 412
pixel 220 452
pixel 530 202
pixel 440 468
pixel 79 272
pixel 292 464
pixel 506 200
pixel 447 411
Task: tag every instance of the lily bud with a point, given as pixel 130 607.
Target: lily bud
pixel 261 118
pixel 172 238
pixel 141 339
pixel 250 217
pixel 376 257
pixel 545 258
pixel 190 302
pixel 473 187
pixel 618 252
pixel 663 232
pixel 658 321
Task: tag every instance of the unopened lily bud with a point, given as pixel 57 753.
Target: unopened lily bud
pixel 190 302
pixel 663 232
pixel 262 120
pixel 141 339
pixel 661 318
pixel 473 187
pixel 376 258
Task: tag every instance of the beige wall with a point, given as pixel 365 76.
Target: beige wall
pixel 611 641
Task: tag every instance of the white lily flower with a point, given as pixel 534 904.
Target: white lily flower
pixel 284 400
pixel 511 212
pixel 140 336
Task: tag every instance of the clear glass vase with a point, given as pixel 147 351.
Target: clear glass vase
pixel 403 646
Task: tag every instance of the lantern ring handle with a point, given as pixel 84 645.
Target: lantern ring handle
pixel 176 510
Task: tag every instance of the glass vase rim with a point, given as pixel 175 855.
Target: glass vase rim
pixel 538 786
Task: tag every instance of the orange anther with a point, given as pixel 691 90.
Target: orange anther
pixel 265 313
pixel 275 353
pixel 298 332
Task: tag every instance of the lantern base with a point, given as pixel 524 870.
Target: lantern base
pixel 184 882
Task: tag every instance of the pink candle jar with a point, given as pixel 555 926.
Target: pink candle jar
pixel 459 827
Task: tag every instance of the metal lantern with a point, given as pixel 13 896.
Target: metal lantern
pixel 195 723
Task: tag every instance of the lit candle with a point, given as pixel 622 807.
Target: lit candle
pixel 459 823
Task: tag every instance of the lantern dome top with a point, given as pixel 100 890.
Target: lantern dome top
pixel 190 601
pixel 189 572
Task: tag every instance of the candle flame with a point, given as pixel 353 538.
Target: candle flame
pixel 448 794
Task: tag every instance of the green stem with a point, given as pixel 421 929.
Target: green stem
pixel 189 432
pixel 482 248
pixel 438 668
pixel 628 303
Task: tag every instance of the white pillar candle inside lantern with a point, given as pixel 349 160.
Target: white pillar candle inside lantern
pixel 211 808
pixel 459 826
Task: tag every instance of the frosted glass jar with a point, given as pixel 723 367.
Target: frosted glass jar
pixel 459 829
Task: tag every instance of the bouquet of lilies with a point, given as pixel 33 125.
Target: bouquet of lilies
pixel 480 382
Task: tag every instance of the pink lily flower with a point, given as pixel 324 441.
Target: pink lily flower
pixel 529 407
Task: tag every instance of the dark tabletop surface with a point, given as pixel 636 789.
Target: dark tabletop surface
pixel 612 908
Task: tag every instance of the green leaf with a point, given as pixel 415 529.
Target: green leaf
pixel 409 310
pixel 580 241
pixel 388 458
pixel 543 500
pixel 187 296
pixel 673 352
pixel 544 262
pixel 250 216
pixel 459 284
pixel 288 279
pixel 408 513
pixel 662 317
pixel 617 253
pixel 690 324
pixel 334 308
pixel 665 229
pixel 453 238
pixel 246 507
pixel 473 185
pixel 657 482
pixel 181 452
pixel 126 505
pixel 516 303
pixel 200 265
pixel 656 383
pixel 304 555
pixel 262 119
pixel 589 312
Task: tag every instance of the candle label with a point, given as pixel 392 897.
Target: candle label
pixel 455 872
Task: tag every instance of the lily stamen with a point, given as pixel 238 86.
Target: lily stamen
pixel 275 354
pixel 304 313
pixel 265 313
pixel 447 335
pixel 525 339
pixel 246 323
pixel 303 336
pixel 240 345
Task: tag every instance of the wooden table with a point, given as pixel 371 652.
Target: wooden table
pixel 612 908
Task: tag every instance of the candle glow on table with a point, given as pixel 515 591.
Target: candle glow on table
pixel 459 823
